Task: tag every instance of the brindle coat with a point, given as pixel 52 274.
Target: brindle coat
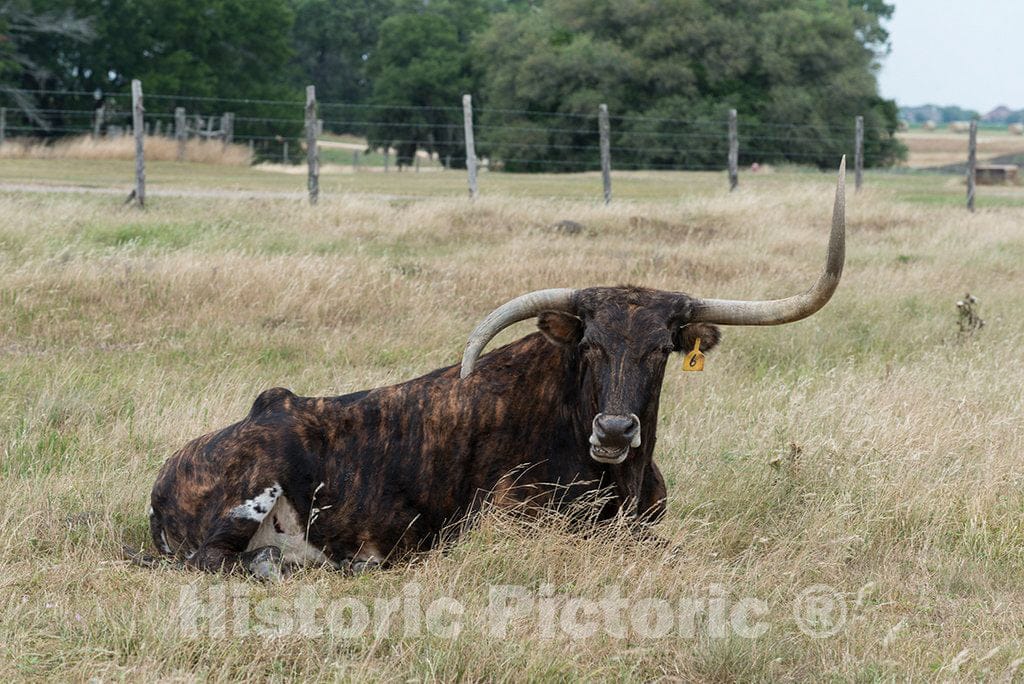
pixel 381 473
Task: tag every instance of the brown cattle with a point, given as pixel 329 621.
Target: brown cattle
pixel 355 480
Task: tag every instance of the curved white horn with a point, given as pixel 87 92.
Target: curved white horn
pixel 778 311
pixel 519 309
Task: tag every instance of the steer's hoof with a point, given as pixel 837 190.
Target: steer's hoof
pixel 265 563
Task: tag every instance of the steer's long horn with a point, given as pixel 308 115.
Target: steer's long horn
pixel 777 311
pixel 519 309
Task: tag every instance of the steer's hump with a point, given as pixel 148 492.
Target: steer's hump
pixel 271 399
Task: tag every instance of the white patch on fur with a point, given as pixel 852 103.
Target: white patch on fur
pixel 150 512
pixel 291 538
pixel 257 507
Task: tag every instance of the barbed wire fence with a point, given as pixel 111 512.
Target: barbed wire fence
pixel 110 116
pixel 397 137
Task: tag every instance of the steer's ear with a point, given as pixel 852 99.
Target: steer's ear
pixel 559 327
pixel 685 336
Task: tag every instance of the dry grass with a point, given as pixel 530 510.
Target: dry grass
pixel 158 148
pixel 868 448
pixel 927 149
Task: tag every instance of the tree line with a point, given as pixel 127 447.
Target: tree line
pixel 798 71
pixel 952 113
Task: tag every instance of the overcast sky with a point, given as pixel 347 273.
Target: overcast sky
pixel 958 52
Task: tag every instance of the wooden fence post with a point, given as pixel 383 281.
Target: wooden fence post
pixel 3 124
pixel 858 154
pixel 734 152
pixel 355 160
pixel 604 129
pixel 139 129
pixel 312 154
pixel 180 131
pixel 972 163
pixel 227 128
pixel 97 121
pixel 284 152
pixel 387 157
pixel 467 121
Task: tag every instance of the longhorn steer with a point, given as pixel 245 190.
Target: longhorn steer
pixel 356 479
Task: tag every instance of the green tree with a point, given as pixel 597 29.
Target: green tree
pixel 420 70
pixel 868 16
pixel 797 71
pixel 233 53
pixel 23 65
pixel 224 48
pixel 333 41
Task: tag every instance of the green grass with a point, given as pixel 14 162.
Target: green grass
pixel 370 160
pixel 870 448
pixel 911 187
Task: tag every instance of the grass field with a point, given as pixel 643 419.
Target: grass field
pixel 941 147
pixel 870 450
pixel 276 181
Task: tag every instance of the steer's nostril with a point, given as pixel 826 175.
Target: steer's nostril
pixel 614 430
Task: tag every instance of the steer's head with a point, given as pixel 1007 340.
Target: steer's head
pixel 620 338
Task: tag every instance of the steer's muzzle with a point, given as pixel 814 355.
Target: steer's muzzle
pixel 612 435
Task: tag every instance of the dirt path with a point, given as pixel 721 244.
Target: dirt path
pixel 42 188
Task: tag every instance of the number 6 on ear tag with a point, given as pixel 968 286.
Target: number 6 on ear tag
pixel 694 361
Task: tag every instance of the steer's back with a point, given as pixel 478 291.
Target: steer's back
pixel 387 470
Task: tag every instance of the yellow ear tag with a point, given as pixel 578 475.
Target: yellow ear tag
pixel 694 361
